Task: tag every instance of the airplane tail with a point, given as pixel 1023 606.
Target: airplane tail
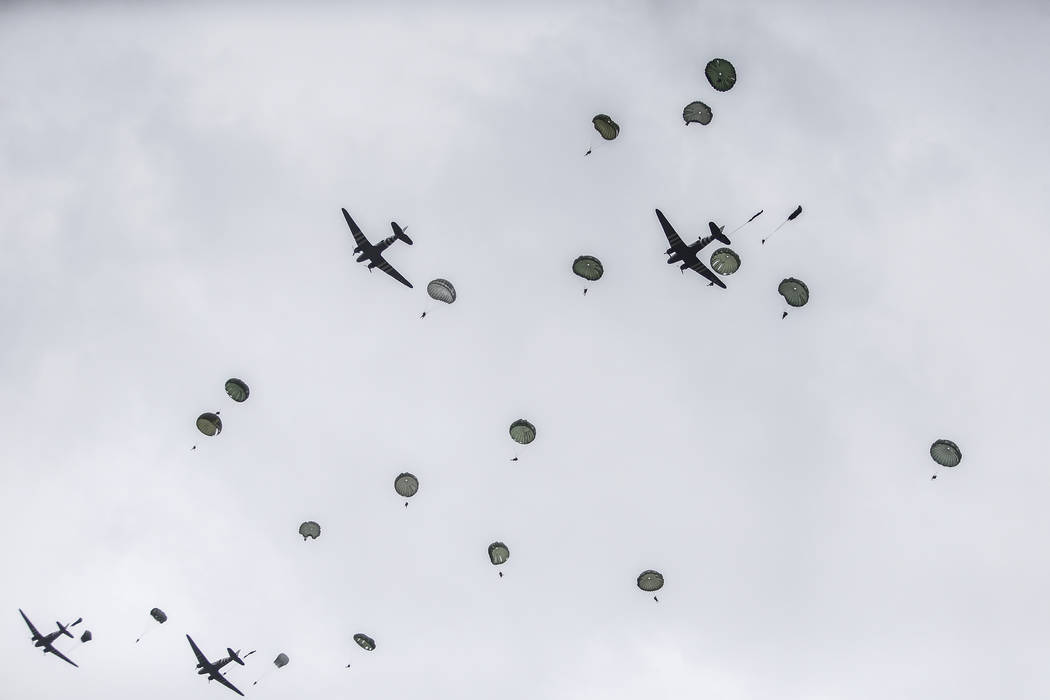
pixel 65 630
pixel 233 656
pixel 716 233
pixel 399 233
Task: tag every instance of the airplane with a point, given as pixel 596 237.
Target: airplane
pixel 687 254
pixel 374 253
pixel 47 640
pixel 212 669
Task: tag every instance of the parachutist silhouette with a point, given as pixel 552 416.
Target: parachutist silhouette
pixel 424 315
pixel 588 152
pixel 514 459
pixel 585 292
pixel 406 504
pixel 194 447
pixel 501 574
pixel 656 599
pixel 710 284
pixel 784 316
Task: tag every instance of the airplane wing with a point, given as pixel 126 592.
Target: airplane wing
pixel 36 635
pixel 672 236
pixel 60 655
pixel 201 658
pixel 359 237
pixel 386 267
pixel 698 266
pixel 222 679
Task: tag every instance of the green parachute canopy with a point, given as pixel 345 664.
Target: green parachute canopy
pixel 158 615
pixel 406 485
pixel 724 261
pixel 588 267
pixel 522 431
pixel 606 126
pixel 498 553
pixel 310 529
pixel 650 581
pixel 209 424
pixel 795 292
pixel 281 660
pixel 365 642
pixel 697 112
pixel 442 290
pixel 946 453
pixel 237 389
pixel 721 74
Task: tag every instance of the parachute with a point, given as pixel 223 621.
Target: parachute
pixel 310 529
pixel 795 292
pixel 589 268
pixel 237 389
pixel 945 453
pixel 406 485
pixel 86 637
pixel 697 112
pixel 606 126
pixel 651 581
pixel 746 222
pixel 281 660
pixel 498 553
pixel 365 642
pixel 158 615
pixel 522 431
pixel 442 290
pixel 721 74
pixel 793 215
pixel 724 261
pixel 209 423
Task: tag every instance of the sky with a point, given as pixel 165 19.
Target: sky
pixel 171 182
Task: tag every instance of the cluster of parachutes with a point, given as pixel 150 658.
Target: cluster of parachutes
pixel 209 423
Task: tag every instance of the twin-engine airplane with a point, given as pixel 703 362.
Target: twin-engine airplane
pixel 374 253
pixel 212 669
pixel 46 641
pixel 687 254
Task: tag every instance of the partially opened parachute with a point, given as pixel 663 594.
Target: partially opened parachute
pixel 697 112
pixel 310 529
pixel 365 642
pixel 442 290
pixel 158 615
pixel 86 637
pixel 588 267
pixel 724 261
pixel 281 660
pixel 721 74
pixel 606 126
pixel 498 553
pixel 209 423
pixel 237 389
pixel 522 431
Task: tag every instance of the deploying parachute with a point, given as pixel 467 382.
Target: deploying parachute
pixel 721 74
pixel 795 293
pixel 158 615
pixel 589 268
pixel 237 389
pixel 945 453
pixel 280 662
pixel 651 581
pixel 793 215
pixel 697 112
pixel 724 261
pixel 406 486
pixel 310 529
pixel 746 222
pixel 365 642
pixel 498 553
pixel 209 423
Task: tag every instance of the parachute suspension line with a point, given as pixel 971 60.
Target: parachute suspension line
pixel 745 223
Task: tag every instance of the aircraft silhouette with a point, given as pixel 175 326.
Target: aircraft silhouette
pixel 687 254
pixel 47 640
pixel 374 253
pixel 212 669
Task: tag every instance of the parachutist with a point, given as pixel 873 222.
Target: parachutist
pixel 406 504
pixel 934 476
pixel 501 574
pixel 588 152
pixel 584 292
pixel 656 599
pixel 423 315
pixel 514 459
pixel 784 315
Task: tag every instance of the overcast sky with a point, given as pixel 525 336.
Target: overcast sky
pixel 170 186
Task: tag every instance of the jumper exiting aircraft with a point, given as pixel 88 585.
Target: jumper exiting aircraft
pixel 47 640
